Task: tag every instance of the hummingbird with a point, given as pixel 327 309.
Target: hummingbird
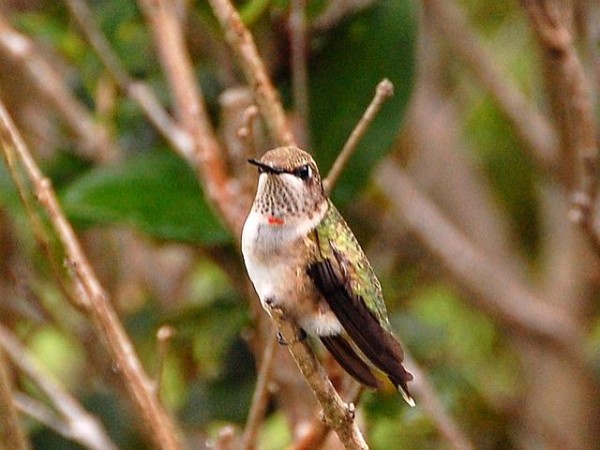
pixel 301 256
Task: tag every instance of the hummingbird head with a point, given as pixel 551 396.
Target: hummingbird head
pixel 289 185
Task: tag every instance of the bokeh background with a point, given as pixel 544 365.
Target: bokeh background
pixel 461 193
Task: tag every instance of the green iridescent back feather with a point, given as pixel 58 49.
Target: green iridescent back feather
pixel 333 232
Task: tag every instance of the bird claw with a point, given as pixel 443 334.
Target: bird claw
pixel 351 411
pixel 282 341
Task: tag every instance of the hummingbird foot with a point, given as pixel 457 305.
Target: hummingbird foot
pixel 301 337
pixel 350 411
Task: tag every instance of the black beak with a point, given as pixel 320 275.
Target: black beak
pixel 264 168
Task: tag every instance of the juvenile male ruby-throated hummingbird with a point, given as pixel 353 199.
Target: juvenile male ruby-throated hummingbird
pixel 302 257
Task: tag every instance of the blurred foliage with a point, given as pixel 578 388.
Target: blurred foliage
pixel 209 373
pixel 155 192
pixel 377 44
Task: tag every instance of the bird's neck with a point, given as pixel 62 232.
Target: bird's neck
pixel 267 233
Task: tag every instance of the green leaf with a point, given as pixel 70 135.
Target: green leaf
pixel 8 193
pixel 157 193
pixel 378 43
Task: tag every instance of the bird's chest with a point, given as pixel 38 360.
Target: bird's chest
pixel 275 259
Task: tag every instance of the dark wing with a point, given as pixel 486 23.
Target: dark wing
pixel 365 330
pixel 350 361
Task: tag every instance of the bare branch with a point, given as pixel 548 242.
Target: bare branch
pixel 499 291
pixel 384 90
pixel 163 339
pixel 11 433
pixel 265 95
pixel 223 191
pixel 95 142
pixel 139 92
pixel 429 400
pixel 78 423
pixel 43 414
pixel 92 297
pixel 572 108
pixel 318 430
pixel 529 124
pixel 260 398
pixel 338 415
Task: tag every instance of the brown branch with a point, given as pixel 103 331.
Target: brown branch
pixel 429 400
pixel 77 423
pixel 92 297
pixel 137 91
pixel 318 430
pixel 191 112
pixel 11 433
pixel 95 142
pixel 384 90
pixel 265 95
pixel 337 414
pixel 529 124
pixel 261 396
pixel 43 414
pixel 499 291
pixel 572 107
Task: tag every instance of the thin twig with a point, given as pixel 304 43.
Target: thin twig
pixel 384 90
pixel 429 400
pixel 297 27
pixel 137 91
pixel 500 292
pixel 190 110
pixel 46 416
pixel 260 398
pixel 529 124
pixel 81 425
pixel 163 340
pixel 11 432
pixel 92 296
pixel 338 415
pixel 265 95
pixel 95 142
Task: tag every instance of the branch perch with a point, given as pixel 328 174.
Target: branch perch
pixel 337 414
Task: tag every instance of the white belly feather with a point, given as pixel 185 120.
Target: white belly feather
pixel 272 270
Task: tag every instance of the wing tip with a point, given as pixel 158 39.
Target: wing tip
pixel 407 397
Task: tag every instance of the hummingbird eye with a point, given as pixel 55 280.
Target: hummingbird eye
pixel 303 172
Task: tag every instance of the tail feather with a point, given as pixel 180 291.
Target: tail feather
pixel 350 361
pixel 372 339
